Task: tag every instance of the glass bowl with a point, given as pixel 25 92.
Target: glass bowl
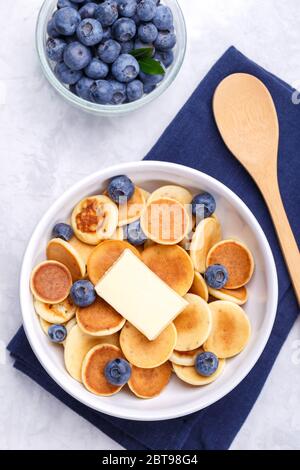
pixel 45 14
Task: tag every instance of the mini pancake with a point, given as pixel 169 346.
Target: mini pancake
pixel 99 319
pixel 77 344
pixel 230 332
pixel 146 354
pixel 238 296
pixel 193 325
pixel 55 313
pixel 172 264
pixel 191 376
pixel 83 249
pixel 62 251
pixel 199 286
pixel 93 368
pixel 236 258
pixel 165 221
pixel 133 209
pixel 104 256
pixel 207 234
pixel 149 383
pixel 95 218
pixel 185 358
pixel 178 193
pixel 51 282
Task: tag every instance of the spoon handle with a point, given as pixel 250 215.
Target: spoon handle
pixel 284 232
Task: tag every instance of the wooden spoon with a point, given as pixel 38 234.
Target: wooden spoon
pixel 247 120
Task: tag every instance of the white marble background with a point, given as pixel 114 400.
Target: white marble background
pixel 46 146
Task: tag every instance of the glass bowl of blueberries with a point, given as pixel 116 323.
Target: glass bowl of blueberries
pixel 109 57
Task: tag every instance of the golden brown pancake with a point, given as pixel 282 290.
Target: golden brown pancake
pixel 178 193
pixel 99 319
pixel 206 234
pixel 238 296
pixel 165 221
pixel 131 211
pixel 236 258
pixel 51 282
pixel 231 329
pixel 94 218
pixel 172 264
pixel 191 376
pixel 55 313
pixel 148 383
pixel 185 358
pixel 141 352
pixel 93 367
pixel 199 286
pixel 83 249
pixel 193 325
pixel 104 256
pixel 62 251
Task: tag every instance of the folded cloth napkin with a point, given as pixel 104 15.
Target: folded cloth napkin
pixel 192 139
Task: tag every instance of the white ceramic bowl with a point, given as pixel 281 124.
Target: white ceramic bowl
pixel 177 399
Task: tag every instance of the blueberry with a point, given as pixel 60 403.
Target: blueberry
pixel 163 18
pixel 96 69
pixel 77 56
pixel 119 92
pixel 165 40
pixel 51 30
pixel 206 364
pixel 106 33
pixel 66 3
pixel 216 276
pixel 55 49
pixel 127 7
pixel 102 92
pixel 124 29
pixel 135 90
pixel 134 234
pixel 138 44
pixel 117 372
pixel 57 333
pixel 125 68
pixel 127 47
pixel 66 20
pixel 148 88
pixel 136 19
pixel 203 204
pixel 83 88
pixel 147 32
pixel 88 10
pixel 150 80
pixel 109 50
pixel 146 10
pixel 165 57
pixel 63 231
pixel 120 189
pixel 83 293
pixel 66 75
pixel 107 12
pixel 89 32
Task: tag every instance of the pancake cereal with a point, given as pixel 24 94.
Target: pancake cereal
pixel 181 311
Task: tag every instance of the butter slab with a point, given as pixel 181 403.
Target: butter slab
pixel 139 295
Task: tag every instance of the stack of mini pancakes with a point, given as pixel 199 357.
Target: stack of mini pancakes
pixel 213 321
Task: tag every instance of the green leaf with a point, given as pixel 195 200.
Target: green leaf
pixel 142 53
pixel 151 66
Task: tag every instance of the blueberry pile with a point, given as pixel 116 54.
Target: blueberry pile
pixel 99 47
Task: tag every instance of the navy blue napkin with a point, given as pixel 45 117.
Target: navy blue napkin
pixel 192 139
